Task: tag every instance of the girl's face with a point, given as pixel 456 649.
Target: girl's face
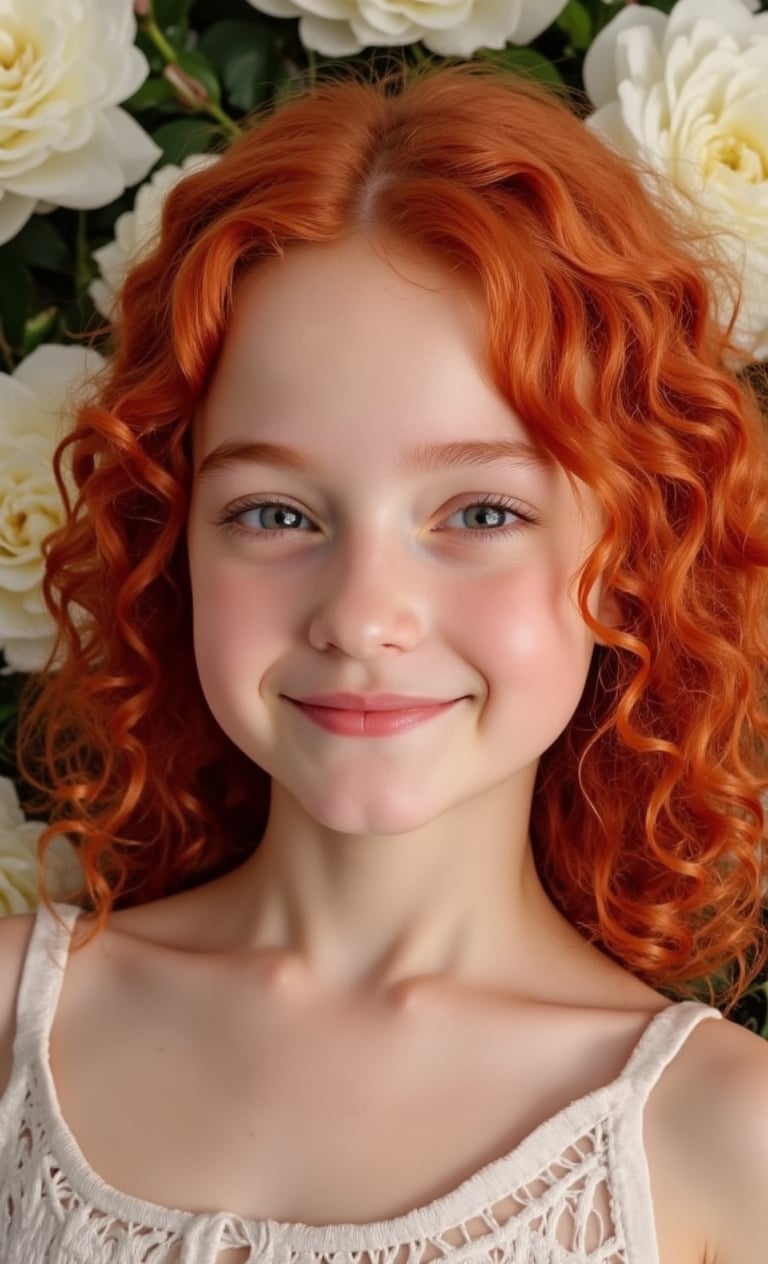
pixel 381 562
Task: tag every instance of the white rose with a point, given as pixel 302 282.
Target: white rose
pixel 34 403
pixel 64 66
pixel 136 231
pixel 338 28
pixel 687 95
pixel 19 890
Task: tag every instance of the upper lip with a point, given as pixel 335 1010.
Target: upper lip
pixel 370 702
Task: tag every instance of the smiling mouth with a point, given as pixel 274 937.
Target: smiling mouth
pixel 373 717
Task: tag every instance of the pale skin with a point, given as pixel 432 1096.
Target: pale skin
pixel 382 999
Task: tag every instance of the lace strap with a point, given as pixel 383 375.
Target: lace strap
pixel 661 1041
pixel 42 975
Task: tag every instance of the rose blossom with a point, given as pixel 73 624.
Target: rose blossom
pixel 338 28
pixel 19 891
pixel 34 403
pixel 64 141
pixel 136 231
pixel 687 96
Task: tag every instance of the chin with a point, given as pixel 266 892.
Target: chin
pixel 382 815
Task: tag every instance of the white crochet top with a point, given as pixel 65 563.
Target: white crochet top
pixel 575 1191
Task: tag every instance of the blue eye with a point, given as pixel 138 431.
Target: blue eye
pixel 486 517
pixel 265 517
pixel 276 517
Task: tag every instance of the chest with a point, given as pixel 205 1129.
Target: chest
pixel 287 1113
pixel 324 1113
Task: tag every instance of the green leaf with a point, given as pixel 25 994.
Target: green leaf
pixel 245 55
pixel 602 13
pixel 199 67
pixel 225 40
pixel 153 92
pixel 41 245
pixel 15 287
pixel 181 138
pixel 248 79
pixel 524 61
pixel 170 12
pixel 40 328
pixel 576 22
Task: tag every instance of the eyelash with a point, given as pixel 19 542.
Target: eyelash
pixel 504 505
pixel 229 524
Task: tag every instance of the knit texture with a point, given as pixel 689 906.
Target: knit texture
pixel 575 1191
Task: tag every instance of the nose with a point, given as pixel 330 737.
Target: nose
pixel 369 602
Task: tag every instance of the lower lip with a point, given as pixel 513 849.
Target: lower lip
pixel 370 723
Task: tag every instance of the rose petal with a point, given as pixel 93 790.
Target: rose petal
pixel 279 9
pixel 14 213
pixel 137 152
pixel 332 39
pixel 534 18
pixel 599 72
pixel 341 28
pixel 64 68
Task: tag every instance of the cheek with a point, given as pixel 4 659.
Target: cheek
pixel 238 624
pixel 524 621
pixel 526 638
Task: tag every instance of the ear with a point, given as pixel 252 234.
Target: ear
pixel 608 612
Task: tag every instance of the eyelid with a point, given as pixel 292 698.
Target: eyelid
pixel 506 504
pixel 227 519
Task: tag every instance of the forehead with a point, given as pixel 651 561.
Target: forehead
pixel 369 288
pixel 353 337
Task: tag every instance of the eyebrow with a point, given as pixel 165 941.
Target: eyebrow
pixel 234 452
pixel 436 456
pixel 425 457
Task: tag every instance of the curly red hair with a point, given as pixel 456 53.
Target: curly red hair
pixel 647 819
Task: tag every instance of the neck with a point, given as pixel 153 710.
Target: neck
pixel 459 897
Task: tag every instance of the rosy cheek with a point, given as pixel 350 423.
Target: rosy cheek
pixel 236 619
pixel 521 625
pixel 503 611
pixel 236 587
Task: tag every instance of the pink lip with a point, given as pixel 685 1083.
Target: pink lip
pixel 368 701
pixel 377 715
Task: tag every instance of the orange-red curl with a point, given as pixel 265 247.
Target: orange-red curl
pixel 647 817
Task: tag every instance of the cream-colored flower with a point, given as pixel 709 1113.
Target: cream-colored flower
pixel 687 96
pixel 64 141
pixel 35 402
pixel 136 231
pixel 19 891
pixel 338 28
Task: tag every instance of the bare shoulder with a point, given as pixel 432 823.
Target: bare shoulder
pixel 726 1070
pixel 14 938
pixel 712 1107
pixel 198 919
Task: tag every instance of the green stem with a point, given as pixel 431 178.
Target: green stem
pixel 170 54
pixel 229 124
pixel 164 46
pixel 312 65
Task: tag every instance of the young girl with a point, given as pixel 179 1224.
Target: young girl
pixel 409 713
